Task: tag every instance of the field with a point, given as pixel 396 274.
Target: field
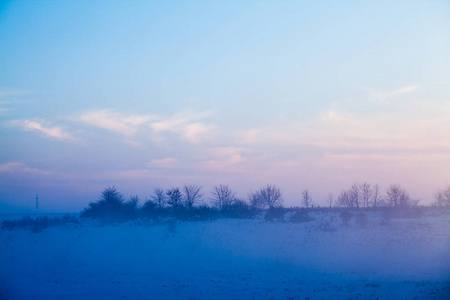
pixel 324 255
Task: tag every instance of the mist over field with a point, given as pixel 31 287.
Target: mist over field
pixel 224 149
pixel 322 255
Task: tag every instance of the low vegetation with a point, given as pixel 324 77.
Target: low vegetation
pixel 39 223
pixel 188 204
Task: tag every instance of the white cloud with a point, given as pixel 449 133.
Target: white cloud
pixel 167 162
pixel 193 132
pixel 55 132
pixel 20 168
pixel 226 158
pixel 220 152
pixel 383 96
pixel 115 122
pixel 185 124
pixel 171 124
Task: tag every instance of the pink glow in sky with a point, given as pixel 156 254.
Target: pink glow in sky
pixel 151 94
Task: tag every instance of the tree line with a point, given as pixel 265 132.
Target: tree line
pixel 189 201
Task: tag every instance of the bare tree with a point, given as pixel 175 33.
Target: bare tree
pixel 159 197
pixel 306 198
pixel 365 194
pixel 398 197
pixel 174 197
pixel 393 195
pixel 375 195
pixel 223 196
pixel 442 197
pixel 344 199
pixel 354 196
pixel 133 202
pixel 269 196
pixel 330 199
pixel 255 201
pixel 191 195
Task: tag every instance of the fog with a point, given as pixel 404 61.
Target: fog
pixel 291 254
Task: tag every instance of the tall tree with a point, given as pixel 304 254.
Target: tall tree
pixel 306 198
pixel 442 197
pixel 159 197
pixel 375 195
pixel 223 196
pixel 398 197
pixel 174 197
pixel 365 193
pixel 191 195
pixel 330 199
pixel 269 196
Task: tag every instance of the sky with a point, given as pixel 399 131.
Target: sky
pixel 311 95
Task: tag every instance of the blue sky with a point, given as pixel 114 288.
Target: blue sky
pixel 141 94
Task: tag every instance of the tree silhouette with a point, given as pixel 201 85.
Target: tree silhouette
pixel 174 198
pixel 306 198
pixel 159 197
pixel 442 197
pixel 191 195
pixel 223 197
pixel 269 196
pixel 111 207
pixel 397 196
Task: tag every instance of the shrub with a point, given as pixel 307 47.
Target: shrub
pixel 111 208
pixel 238 209
pixel 275 214
pixel 300 216
pixel 149 209
pixel 203 213
pixel 38 224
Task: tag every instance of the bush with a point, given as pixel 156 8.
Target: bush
pixel 111 208
pixel 203 213
pixel 300 216
pixel 38 224
pixel 275 214
pixel 149 209
pixel 238 209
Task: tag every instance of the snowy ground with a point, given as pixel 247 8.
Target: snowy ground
pixel 373 256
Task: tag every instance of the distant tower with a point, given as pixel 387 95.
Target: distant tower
pixel 37 202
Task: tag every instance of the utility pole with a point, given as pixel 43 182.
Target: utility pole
pixel 37 202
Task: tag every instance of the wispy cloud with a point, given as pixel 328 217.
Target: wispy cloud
pixel 226 159
pixel 5 92
pixel 4 106
pixel 187 124
pixel 193 132
pixel 115 122
pixel 55 132
pixel 20 168
pixel 337 132
pixel 3 109
pixel 167 162
pixel 383 96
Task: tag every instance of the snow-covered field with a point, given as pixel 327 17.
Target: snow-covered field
pixel 372 256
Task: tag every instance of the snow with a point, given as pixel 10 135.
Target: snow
pixel 372 255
